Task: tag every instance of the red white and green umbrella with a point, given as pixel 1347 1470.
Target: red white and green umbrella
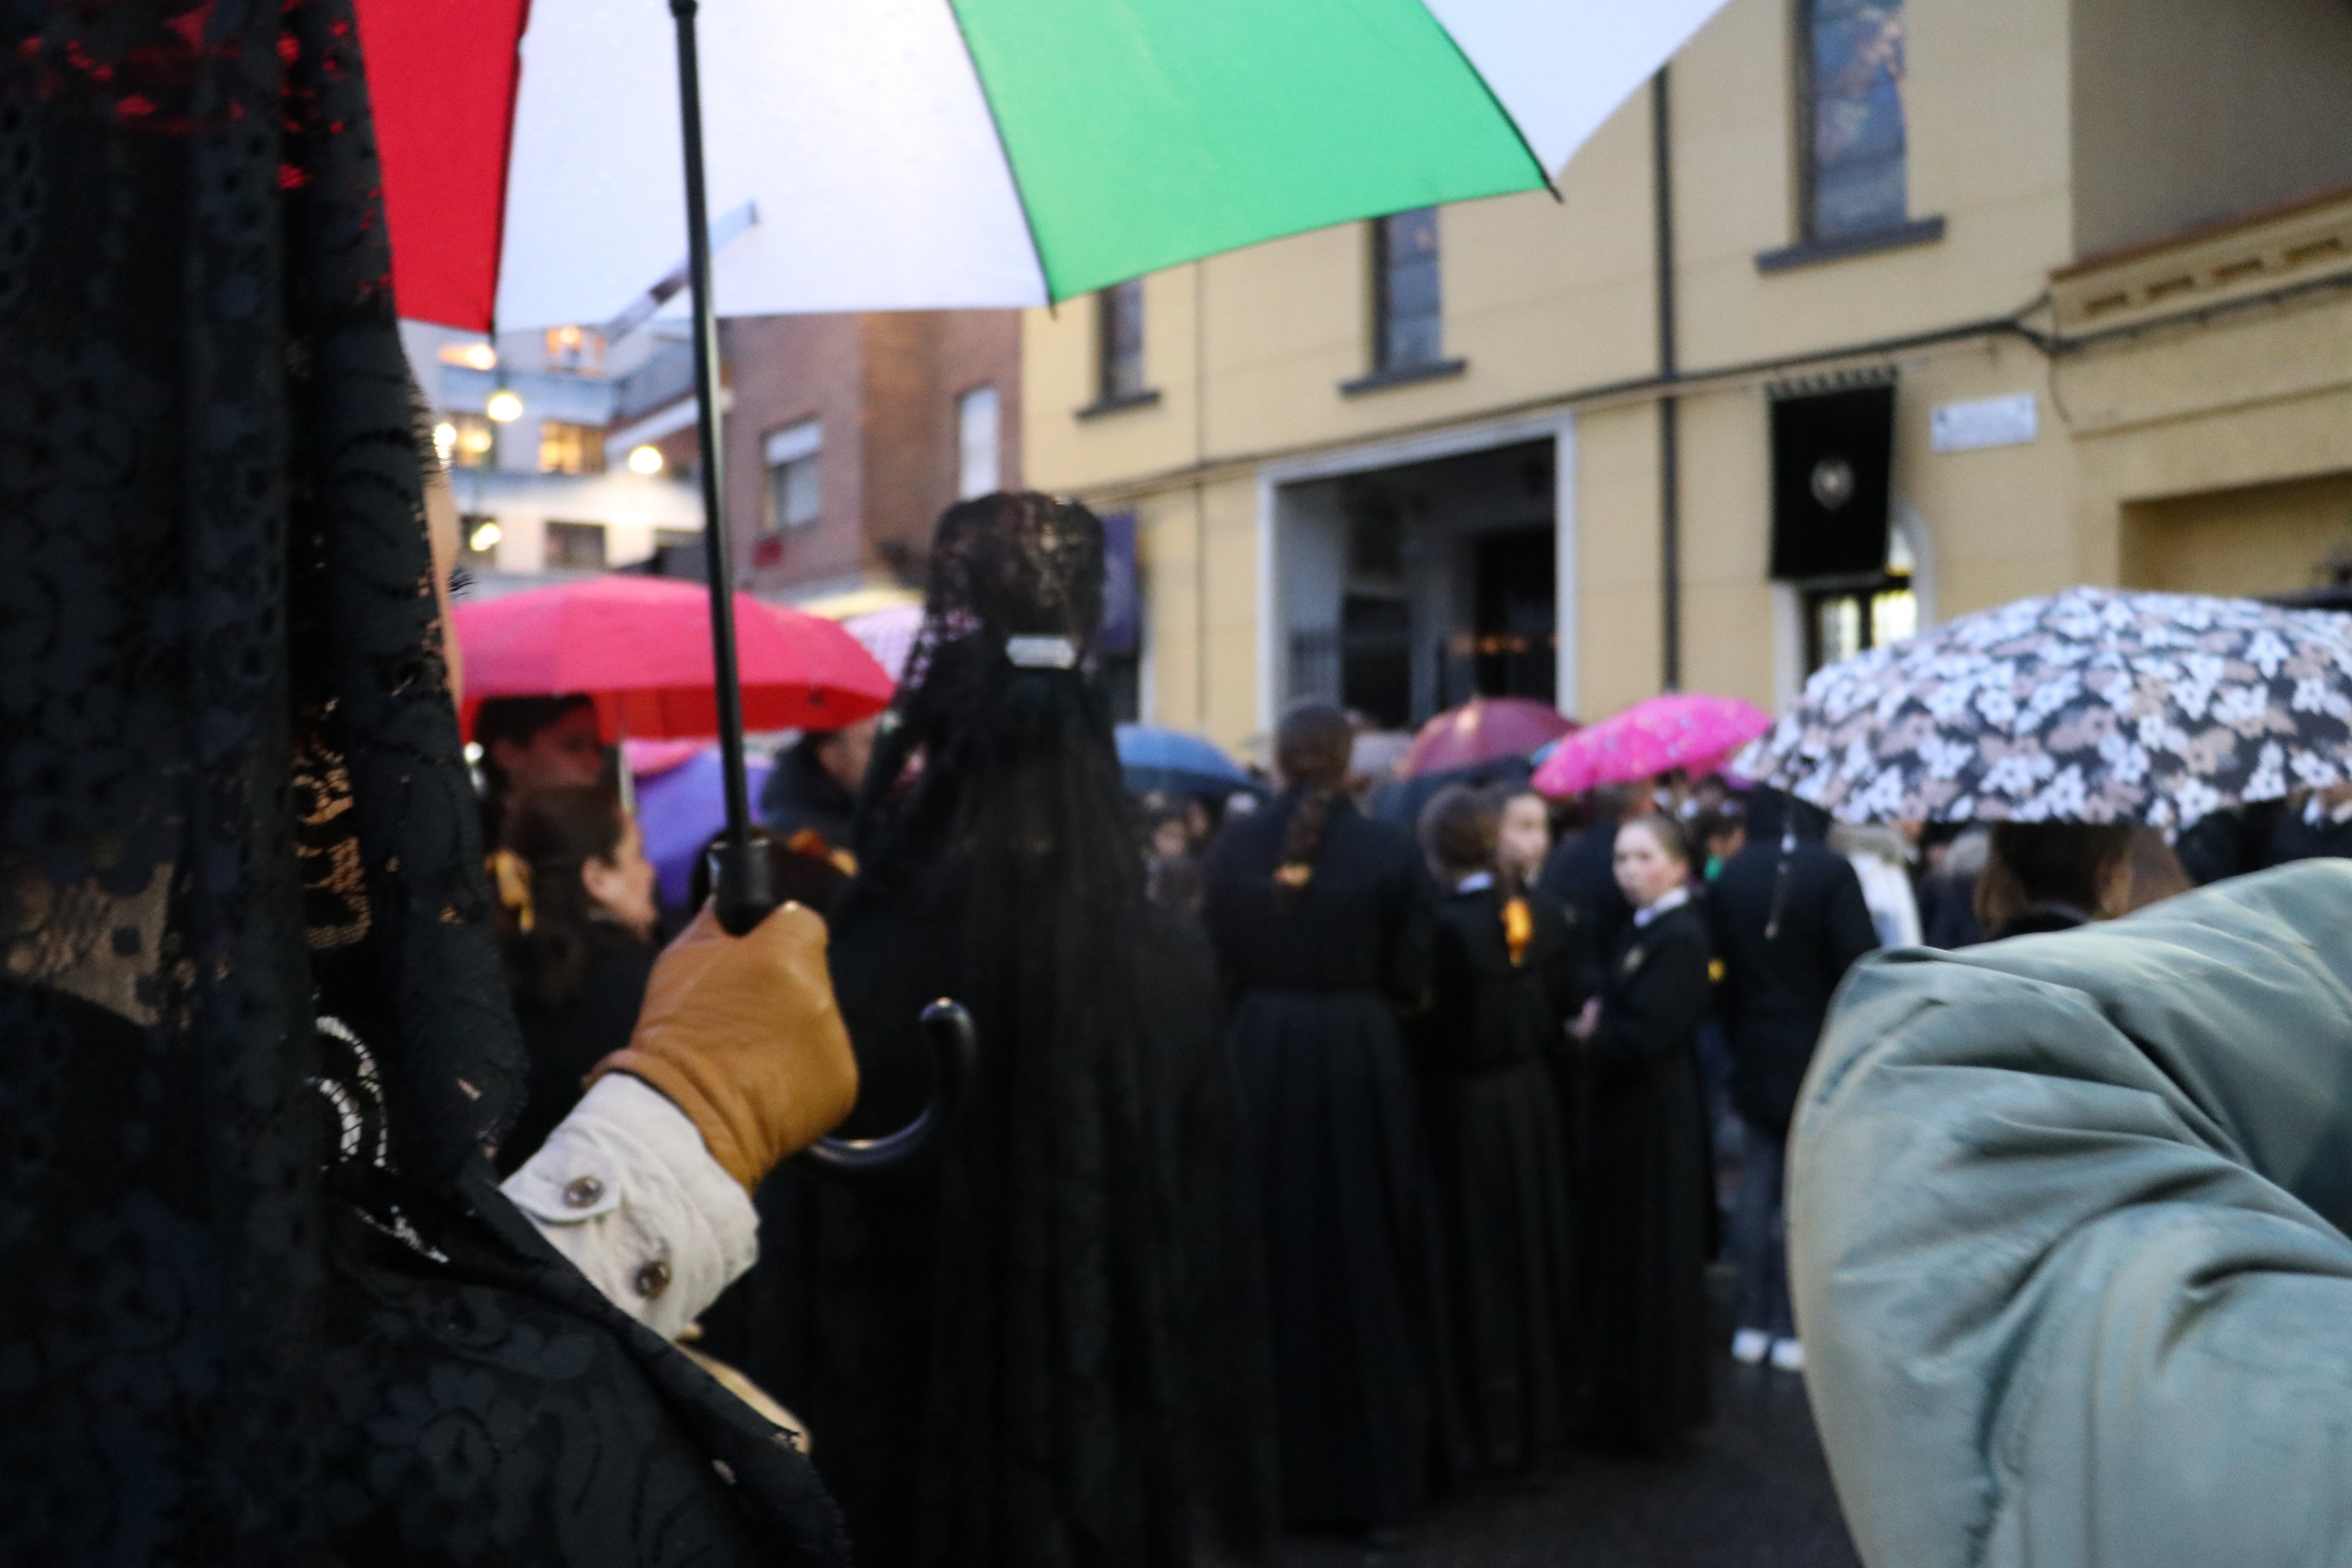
pixel 915 155
pixel 925 154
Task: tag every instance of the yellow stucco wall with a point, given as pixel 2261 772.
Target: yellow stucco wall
pixel 1551 302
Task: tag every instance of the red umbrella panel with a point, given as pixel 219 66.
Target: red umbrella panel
pixel 641 647
pixel 1482 730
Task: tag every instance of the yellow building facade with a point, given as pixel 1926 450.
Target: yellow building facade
pixel 2110 288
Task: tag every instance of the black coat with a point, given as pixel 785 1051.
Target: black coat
pixel 564 1043
pixel 2292 838
pixel 1486 1011
pixel 1491 1041
pixel 1776 989
pixel 801 795
pixel 1648 1203
pixel 1331 1115
pixel 1582 872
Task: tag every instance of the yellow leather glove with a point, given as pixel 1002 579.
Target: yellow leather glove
pixel 743 1035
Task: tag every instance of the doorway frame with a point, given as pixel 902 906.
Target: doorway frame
pixel 1400 452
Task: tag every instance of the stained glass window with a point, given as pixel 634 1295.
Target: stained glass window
pixel 1853 64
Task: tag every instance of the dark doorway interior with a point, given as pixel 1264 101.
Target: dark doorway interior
pixel 1408 590
pixel 1513 587
pixel 1375 657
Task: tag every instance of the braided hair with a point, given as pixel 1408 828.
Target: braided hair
pixel 1312 749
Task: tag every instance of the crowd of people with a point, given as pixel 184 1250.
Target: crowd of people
pixel 1457 1118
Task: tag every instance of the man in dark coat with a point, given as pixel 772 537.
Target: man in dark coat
pixel 1789 921
pixel 1581 872
pixel 813 788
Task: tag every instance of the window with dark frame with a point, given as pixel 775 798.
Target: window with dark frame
pixel 1842 622
pixel 566 449
pixel 1120 315
pixel 794 497
pixel 1407 322
pixel 575 546
pixel 1852 170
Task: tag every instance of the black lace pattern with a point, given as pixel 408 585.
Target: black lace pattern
pixel 266 1303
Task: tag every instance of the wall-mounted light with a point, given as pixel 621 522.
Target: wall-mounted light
pixel 473 356
pixel 646 460
pixel 485 537
pixel 503 407
pixel 444 441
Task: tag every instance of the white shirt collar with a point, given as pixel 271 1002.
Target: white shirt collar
pixel 1674 898
pixel 1475 882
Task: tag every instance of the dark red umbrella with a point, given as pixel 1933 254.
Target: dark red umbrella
pixel 641 647
pixel 1483 730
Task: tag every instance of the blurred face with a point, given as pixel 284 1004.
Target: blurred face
pixel 1725 845
pixel 1523 838
pixel 1169 841
pixel 623 886
pixel 844 756
pixel 1645 873
pixel 566 754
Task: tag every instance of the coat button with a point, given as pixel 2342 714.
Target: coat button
pixel 583 1192
pixel 652 1279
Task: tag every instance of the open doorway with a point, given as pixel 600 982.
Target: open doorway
pixel 1405 589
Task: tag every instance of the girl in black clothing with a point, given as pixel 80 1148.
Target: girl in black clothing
pixel 1647 1208
pixel 576 929
pixel 1506 980
pixel 1321 921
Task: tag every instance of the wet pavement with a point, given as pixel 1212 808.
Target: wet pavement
pixel 1752 1491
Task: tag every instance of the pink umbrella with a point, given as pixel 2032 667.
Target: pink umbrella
pixel 1483 730
pixel 1680 730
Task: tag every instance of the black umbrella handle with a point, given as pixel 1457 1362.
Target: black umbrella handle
pixel 955 1062
pixel 742 884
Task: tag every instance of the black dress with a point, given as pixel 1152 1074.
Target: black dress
pixel 563 1043
pixel 1648 1211
pixel 1491 1034
pixel 1328 1106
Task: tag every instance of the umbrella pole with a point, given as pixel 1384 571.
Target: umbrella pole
pixel 743 886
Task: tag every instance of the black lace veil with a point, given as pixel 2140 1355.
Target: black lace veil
pixel 239 864
pixel 1041 1270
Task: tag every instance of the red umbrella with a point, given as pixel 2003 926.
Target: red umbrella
pixel 641 647
pixel 1483 730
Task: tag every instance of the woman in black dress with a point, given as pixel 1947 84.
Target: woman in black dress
pixel 1321 921
pixel 576 927
pixel 1647 1209
pixel 1037 1349
pixel 1507 980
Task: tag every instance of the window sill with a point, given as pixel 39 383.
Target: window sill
pixel 1403 375
pixel 1095 410
pixel 1805 253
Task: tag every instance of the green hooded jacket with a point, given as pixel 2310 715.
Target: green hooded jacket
pixel 2067 1239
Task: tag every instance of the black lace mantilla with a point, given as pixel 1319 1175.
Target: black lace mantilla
pixel 246 1322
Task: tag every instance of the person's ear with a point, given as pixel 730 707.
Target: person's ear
pixel 2115 888
pixel 504 754
pixel 601 880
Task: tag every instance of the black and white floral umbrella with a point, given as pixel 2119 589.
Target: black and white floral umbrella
pixel 2087 706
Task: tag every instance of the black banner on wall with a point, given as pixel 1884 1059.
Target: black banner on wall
pixel 1833 453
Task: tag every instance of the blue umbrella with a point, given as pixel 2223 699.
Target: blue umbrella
pixel 1171 761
